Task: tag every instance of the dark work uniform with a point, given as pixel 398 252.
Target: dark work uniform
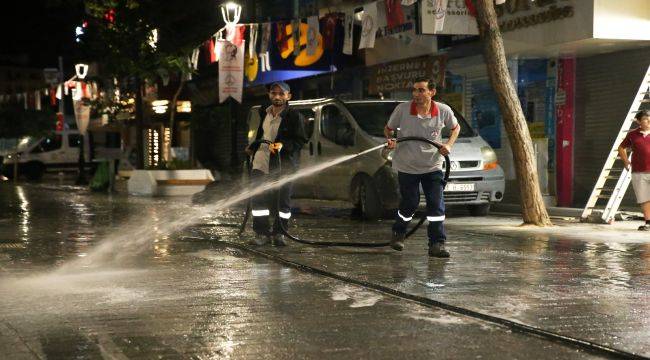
pixel 418 163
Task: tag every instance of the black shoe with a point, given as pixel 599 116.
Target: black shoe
pixel 438 250
pixel 259 240
pixel 644 227
pixel 397 241
pixel 278 240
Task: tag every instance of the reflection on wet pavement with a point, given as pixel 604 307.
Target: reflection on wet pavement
pixel 177 295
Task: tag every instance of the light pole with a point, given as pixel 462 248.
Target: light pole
pixel 82 122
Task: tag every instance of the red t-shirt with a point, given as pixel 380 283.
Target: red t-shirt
pixel 640 145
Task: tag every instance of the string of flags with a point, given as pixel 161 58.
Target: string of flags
pixel 306 39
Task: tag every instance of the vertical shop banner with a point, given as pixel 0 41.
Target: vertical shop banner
pixel 231 71
pixel 81 115
pixel 445 17
pixel 369 25
pixel 312 35
pixel 348 39
pixel 565 106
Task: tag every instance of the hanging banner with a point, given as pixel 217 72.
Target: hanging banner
pixel 313 32
pixel 369 26
pixel 81 115
pixel 445 17
pixel 231 71
pixel 349 31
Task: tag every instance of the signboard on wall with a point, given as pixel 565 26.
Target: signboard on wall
pixel 399 75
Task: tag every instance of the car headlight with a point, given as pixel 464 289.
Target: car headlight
pixel 489 158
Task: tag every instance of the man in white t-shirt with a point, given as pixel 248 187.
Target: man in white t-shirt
pixel 418 163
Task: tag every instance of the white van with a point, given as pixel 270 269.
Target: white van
pixel 336 128
pixel 56 153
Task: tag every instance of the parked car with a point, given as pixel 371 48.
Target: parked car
pixel 337 128
pixel 57 152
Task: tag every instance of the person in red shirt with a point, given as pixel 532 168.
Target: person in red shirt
pixel 639 141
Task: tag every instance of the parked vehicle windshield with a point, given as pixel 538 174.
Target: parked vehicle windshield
pixel 373 116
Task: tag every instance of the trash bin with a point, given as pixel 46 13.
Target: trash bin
pixel 102 180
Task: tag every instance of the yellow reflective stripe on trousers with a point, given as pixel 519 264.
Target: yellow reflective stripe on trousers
pixel 436 218
pixel 284 215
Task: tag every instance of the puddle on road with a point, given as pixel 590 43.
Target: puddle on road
pixel 359 297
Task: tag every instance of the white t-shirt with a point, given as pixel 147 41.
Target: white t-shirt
pixel 270 127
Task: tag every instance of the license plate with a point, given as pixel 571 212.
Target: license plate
pixel 459 187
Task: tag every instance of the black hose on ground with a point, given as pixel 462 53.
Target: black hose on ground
pixel 285 231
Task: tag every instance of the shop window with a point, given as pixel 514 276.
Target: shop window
pixel 335 127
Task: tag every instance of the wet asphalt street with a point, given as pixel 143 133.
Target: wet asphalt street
pixel 86 275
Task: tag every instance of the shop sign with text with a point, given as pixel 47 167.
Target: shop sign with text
pixel 399 75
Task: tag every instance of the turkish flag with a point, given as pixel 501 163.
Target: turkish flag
pixel 328 30
pixel 281 36
pixel 394 13
pixel 470 7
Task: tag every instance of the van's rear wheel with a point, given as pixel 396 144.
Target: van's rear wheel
pixel 479 210
pixel 34 170
pixel 368 204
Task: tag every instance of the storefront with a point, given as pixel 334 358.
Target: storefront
pixel 575 71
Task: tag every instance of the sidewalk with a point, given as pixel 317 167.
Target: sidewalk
pixel 585 281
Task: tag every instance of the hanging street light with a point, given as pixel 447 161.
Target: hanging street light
pixel 231 12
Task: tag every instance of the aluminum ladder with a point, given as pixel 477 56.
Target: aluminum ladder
pixel 614 178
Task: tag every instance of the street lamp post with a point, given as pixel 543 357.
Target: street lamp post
pixel 81 71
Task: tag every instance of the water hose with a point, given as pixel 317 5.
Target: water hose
pixel 285 231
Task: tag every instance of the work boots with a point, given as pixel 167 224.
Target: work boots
pixel 397 241
pixel 278 240
pixel 438 250
pixel 259 240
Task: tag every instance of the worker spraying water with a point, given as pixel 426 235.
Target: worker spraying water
pixel 419 165
pixel 275 150
pixel 280 137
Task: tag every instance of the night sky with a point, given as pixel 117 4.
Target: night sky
pixel 35 32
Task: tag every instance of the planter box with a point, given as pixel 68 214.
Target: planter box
pixel 168 182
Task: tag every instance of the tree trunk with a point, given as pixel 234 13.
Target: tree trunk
pixel 172 114
pixel 139 127
pixel 532 204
